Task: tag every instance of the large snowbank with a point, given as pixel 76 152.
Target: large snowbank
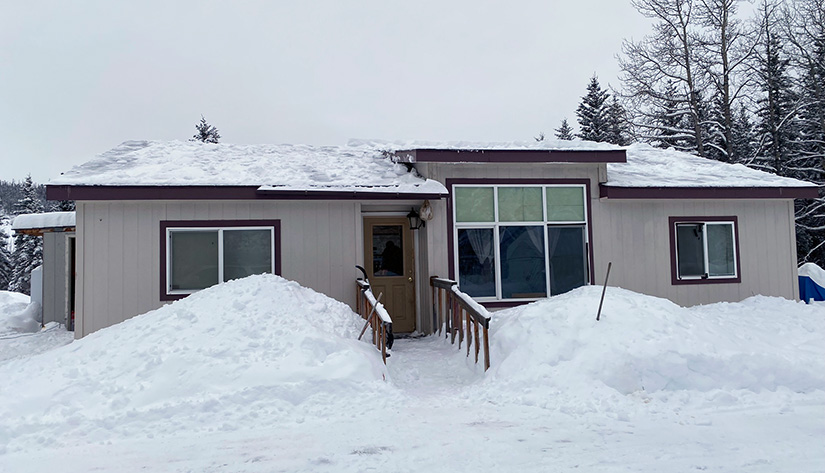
pixel 554 353
pixel 263 375
pixel 250 351
pixel 17 314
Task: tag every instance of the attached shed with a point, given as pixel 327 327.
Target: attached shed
pixel 510 222
pixel 58 232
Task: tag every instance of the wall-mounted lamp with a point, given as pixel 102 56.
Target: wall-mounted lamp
pixel 415 220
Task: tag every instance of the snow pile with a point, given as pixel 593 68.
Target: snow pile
pixel 17 314
pixel 242 354
pixel 813 271
pixel 554 352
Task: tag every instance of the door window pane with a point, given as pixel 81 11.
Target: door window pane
pixel 474 204
pixel 565 204
pixel 519 204
pixel 568 260
pixel 720 249
pixel 194 256
pixel 246 252
pixel 522 262
pixel 387 250
pixel 690 250
pixel 476 262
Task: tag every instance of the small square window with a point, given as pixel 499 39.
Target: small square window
pixel 704 250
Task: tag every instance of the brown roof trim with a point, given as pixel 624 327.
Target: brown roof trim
pixel 56 192
pixel 612 192
pixel 41 231
pixel 510 156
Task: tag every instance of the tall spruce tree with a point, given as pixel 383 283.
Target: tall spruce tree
pixel 28 249
pixel 618 128
pixel 776 107
pixel 808 38
pixel 206 132
pixel 5 257
pixel 592 113
pixel 564 131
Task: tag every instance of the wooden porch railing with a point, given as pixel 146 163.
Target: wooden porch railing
pixel 460 317
pixel 375 315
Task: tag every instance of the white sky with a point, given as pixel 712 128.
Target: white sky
pixel 78 78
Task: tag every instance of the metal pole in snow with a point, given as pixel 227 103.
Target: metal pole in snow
pixel 604 288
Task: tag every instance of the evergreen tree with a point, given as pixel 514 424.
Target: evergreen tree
pixel 776 112
pixel 668 127
pixel 64 206
pixel 564 131
pixel 592 113
pixel 743 137
pixel 5 258
pixel 28 249
pixel 808 37
pixel 206 132
pixel 618 128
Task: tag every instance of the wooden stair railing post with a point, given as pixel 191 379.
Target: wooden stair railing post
pixel 469 335
pixel 486 349
pixel 475 335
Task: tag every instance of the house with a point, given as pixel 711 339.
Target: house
pixel 55 291
pixel 511 223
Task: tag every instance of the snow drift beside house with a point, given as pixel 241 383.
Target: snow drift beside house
pixel 649 346
pixel 17 314
pixel 259 341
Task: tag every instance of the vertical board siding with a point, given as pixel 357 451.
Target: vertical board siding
pixel 641 259
pixel 118 250
pixel 54 277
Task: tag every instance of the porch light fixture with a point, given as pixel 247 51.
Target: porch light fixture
pixel 415 220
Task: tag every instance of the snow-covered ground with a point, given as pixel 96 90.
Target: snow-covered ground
pixel 262 375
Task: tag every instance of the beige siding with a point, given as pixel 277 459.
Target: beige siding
pixel 119 263
pixel 54 277
pixel 635 237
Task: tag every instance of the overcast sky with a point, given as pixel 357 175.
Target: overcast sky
pixel 78 78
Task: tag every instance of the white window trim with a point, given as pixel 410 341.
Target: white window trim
pixel 220 230
pixel 706 262
pixel 496 234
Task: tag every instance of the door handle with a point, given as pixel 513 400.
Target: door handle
pixel 410 279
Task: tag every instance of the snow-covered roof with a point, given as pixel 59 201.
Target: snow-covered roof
pixel 647 166
pixel 43 221
pixel 273 167
pixel 367 166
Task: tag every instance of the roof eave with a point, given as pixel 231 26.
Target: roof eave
pixel 615 192
pixel 432 155
pixel 71 192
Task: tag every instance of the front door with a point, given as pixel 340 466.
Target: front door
pixel 389 259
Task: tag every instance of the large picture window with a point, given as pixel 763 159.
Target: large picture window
pixel 704 250
pixel 520 242
pixel 197 255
